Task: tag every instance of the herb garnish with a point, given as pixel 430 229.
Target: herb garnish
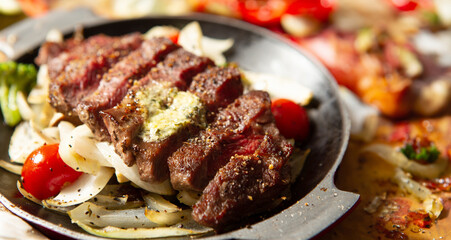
pixel 428 154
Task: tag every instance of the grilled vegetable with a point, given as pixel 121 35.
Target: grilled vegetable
pixel 14 78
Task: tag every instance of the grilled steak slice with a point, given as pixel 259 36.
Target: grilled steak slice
pixel 116 82
pixel 176 70
pixel 217 87
pixel 255 180
pixel 196 162
pixel 179 67
pixel 123 125
pixel 77 73
pixel 151 157
pixel 148 106
pixel 50 50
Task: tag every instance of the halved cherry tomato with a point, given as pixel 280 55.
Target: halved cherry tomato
pixel 291 119
pixel 44 173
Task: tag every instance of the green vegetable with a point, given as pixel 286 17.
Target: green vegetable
pixel 14 78
pixel 428 154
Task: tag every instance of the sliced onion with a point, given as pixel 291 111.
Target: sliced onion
pixel 190 38
pixel 115 202
pixel 161 31
pixel 188 198
pixel 167 218
pixel 74 142
pixel 83 189
pixel 54 35
pixel 299 25
pixel 98 216
pixel 85 145
pixel 391 155
pixel 25 110
pixel 158 203
pixel 11 167
pixel 135 233
pixel 39 94
pixel 46 113
pixel 131 173
pixel 410 185
pixel 214 48
pixel 25 140
pixel 27 195
pixel 121 178
pixel 434 206
pixel 432 203
pixel 60 209
pixel 278 87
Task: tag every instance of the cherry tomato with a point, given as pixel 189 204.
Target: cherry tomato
pixel 262 12
pixel 44 173
pixel 405 5
pixel 318 9
pixel 291 119
pixel 174 38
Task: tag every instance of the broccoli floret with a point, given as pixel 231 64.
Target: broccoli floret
pixel 14 78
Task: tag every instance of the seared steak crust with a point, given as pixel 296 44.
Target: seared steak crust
pixel 217 87
pixel 51 50
pixel 246 185
pixel 76 74
pixel 116 82
pixel 179 67
pixel 176 70
pixel 197 160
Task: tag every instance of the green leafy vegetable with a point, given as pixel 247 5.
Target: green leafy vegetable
pixel 14 78
pixel 428 154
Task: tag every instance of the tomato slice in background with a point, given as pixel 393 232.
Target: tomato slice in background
pixel 44 173
pixel 291 119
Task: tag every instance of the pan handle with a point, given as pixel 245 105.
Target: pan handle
pixel 30 33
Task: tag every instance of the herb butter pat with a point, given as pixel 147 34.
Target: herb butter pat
pixel 168 110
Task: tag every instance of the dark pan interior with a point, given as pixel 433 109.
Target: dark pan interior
pixel 257 50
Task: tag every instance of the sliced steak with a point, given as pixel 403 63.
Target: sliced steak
pixel 246 185
pixel 51 50
pixel 235 130
pixel 151 157
pixel 77 73
pixel 179 67
pixel 149 100
pixel 116 82
pixel 217 87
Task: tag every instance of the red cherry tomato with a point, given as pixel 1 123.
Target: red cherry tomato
pixel 318 9
pixel 262 12
pixel 291 119
pixel 44 173
pixel 405 5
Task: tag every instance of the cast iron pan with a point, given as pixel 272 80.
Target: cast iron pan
pixel 316 203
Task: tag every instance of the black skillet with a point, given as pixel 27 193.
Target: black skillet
pixel 316 203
